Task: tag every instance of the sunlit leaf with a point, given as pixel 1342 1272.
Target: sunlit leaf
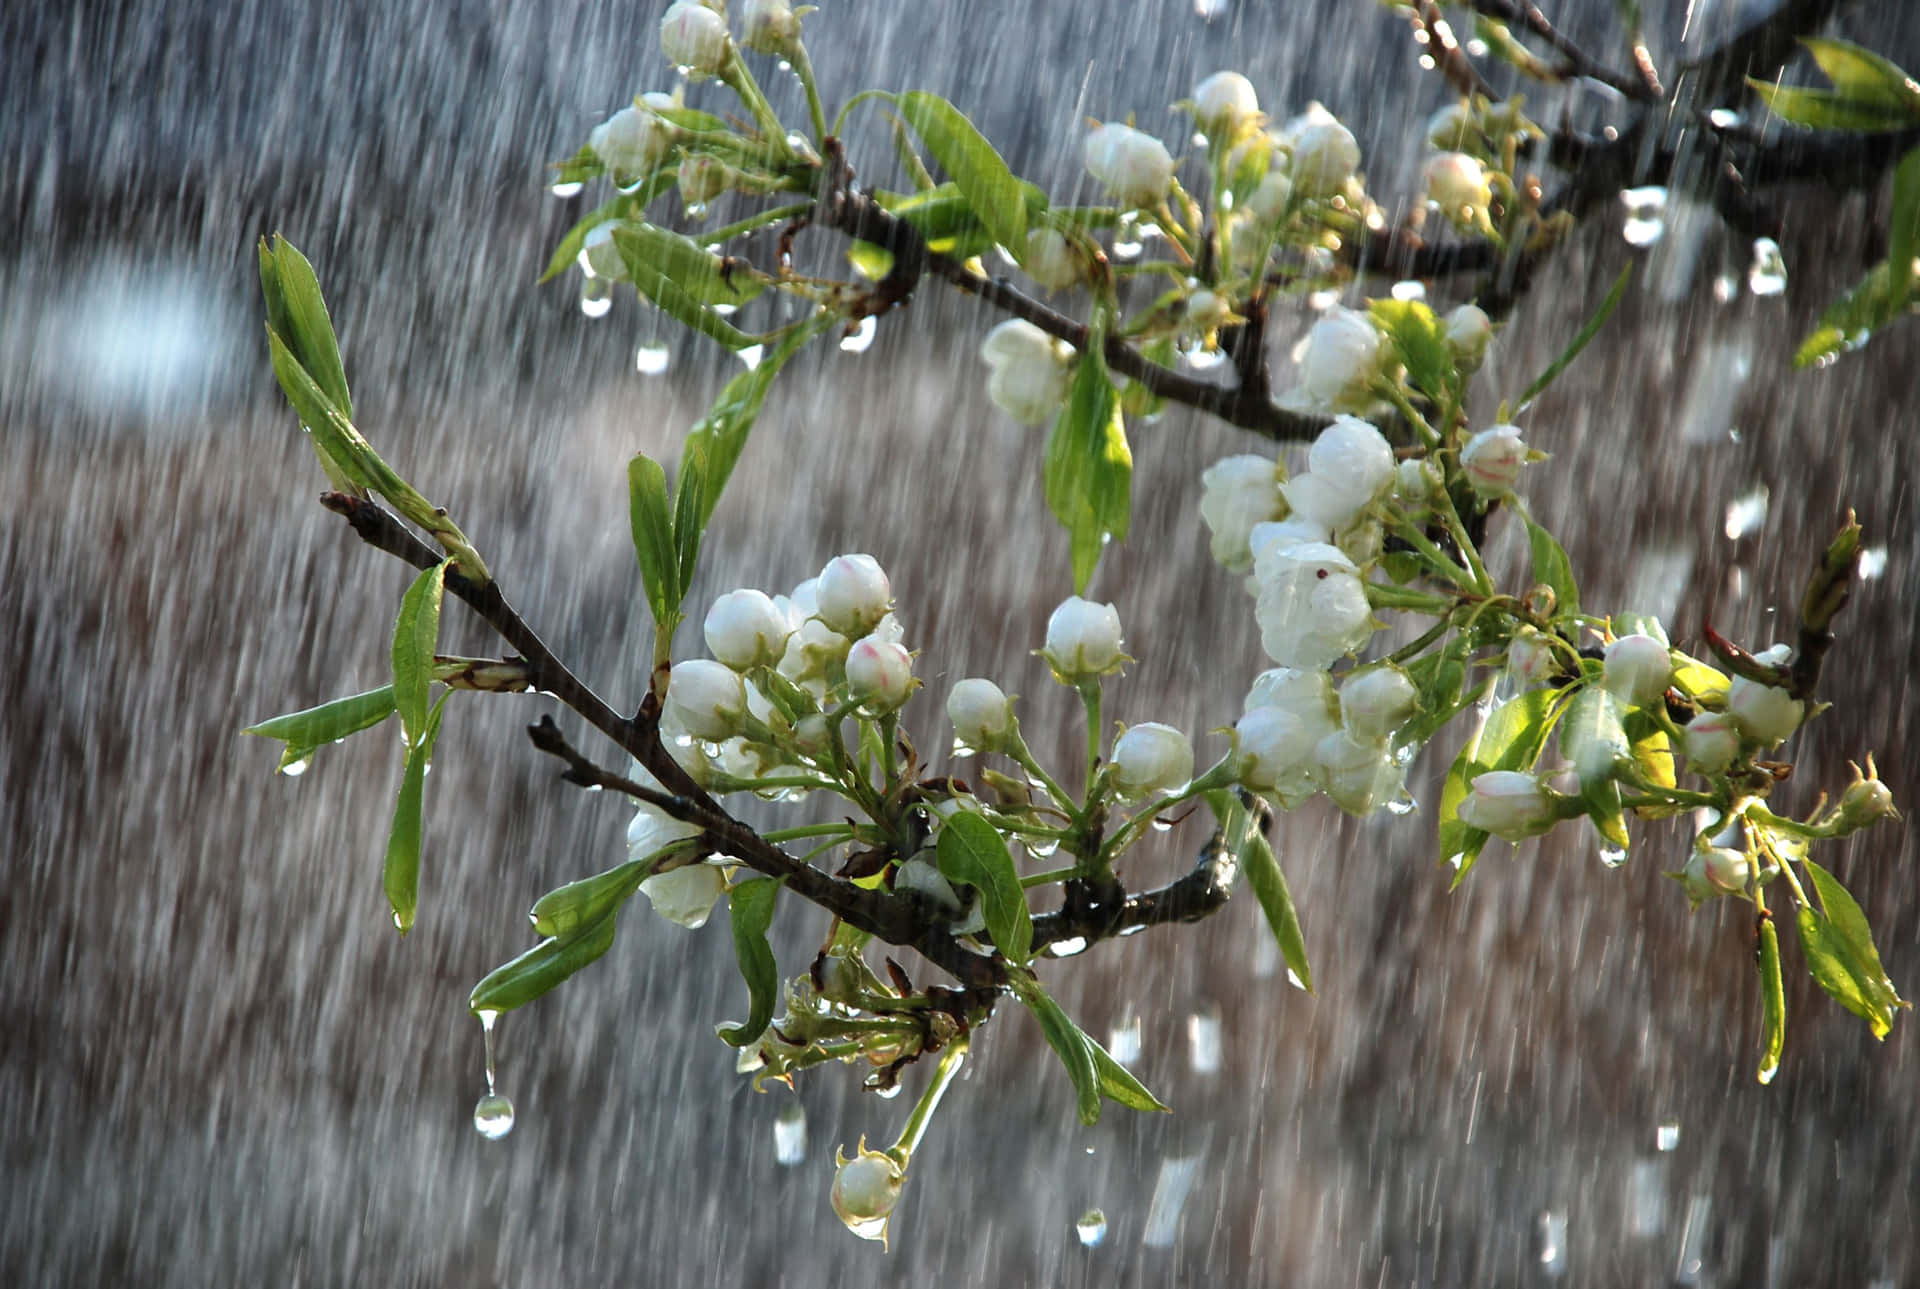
pixel 1552 569
pixel 1089 466
pixel 650 516
pixel 1832 109
pixel 305 324
pixel 1842 957
pixel 971 851
pixel 416 635
pixel 1903 233
pixel 539 969
pixel 1117 1083
pixel 306 732
pixel 1773 1002
pixel 1864 76
pixel 400 874
pixel 1420 340
pixel 963 152
pixel 1510 739
pixel 750 908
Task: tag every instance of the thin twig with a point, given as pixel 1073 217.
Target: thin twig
pixel 1577 62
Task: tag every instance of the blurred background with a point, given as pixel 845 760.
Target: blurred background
pixel 220 1065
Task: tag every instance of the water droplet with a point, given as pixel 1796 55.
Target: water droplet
pixel 1091 1228
pixel 399 925
pixel 1170 1190
pixel 872 1228
pixel 1204 359
pixel 493 1116
pixel 861 337
pixel 1067 948
pixel 1293 978
pixel 1747 512
pixel 1768 273
pixel 1040 847
pixel 1612 856
pixel 697 210
pixel 1123 1040
pixel 751 355
pixel 294 769
pixel 724 309
pixel 790 1135
pixel 1725 119
pixel 1404 804
pixel 1204 1041
pixel 596 297
pixel 1409 290
pixel 1726 288
pixel 1550 1242
pixel 1646 1198
pixel 1319 302
pixel 1873 562
pixel 1667 1135
pixel 1127 239
pixel 651 359
pixel 1693 1241
pixel 887 1093
pixel 1160 823
pixel 1646 215
pixel 566 190
pixel 783 65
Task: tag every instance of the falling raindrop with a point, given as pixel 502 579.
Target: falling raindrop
pixel 1725 119
pixel 1409 290
pixel 1204 1041
pixel 651 359
pixel 1646 215
pixel 1646 1198
pixel 1747 512
pixel 1873 562
pixel 1550 1242
pixel 1091 1228
pixel 1667 1135
pixel 1209 9
pixel 1170 1191
pixel 1067 948
pixel 1726 288
pixel 1693 1241
pixel 566 190
pixel 1768 274
pixel 596 297
pixel 1123 1040
pixel 860 338
pixel 790 1135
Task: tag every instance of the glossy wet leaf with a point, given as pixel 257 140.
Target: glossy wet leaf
pixel 1420 340
pixel 298 313
pixel 1832 109
pixel 650 517
pixel 1073 1047
pixel 416 635
pixel 972 852
pixel 567 910
pixel 1552 569
pixel 1241 833
pixel 400 874
pixel 1773 1003
pixel 1089 466
pixel 538 970
pixel 684 279
pixel 1842 956
pixel 1116 1082
pixel 1510 739
pixel 964 153
pixel 1903 232
pixel 306 732
pixel 1580 341
pixel 750 909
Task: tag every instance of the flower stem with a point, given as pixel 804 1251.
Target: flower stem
pixel 951 1060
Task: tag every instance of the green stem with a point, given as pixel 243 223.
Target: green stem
pixel 779 836
pixel 740 80
pixel 726 232
pixel 1089 691
pixel 1413 650
pixel 1436 558
pixel 951 1060
pixel 1052 875
pixel 1023 755
pixel 803 68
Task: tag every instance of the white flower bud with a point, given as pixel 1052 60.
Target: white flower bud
pixel 811 651
pixel 1083 640
pixel 746 629
pixel 1341 359
pixel 1711 742
pixel 1325 156
pixel 694 37
pixel 1268 539
pixel 1865 802
pixel 1638 669
pixel 1458 184
pixel 1530 660
pixel 686 896
pixel 1376 701
pixel 981 715
pixel 1320 502
pixel 812 735
pixel 706 699
pixel 1449 129
pixel 1354 458
pixel 1223 102
pixel 1493 459
pixel 1311 605
pixel 1031 371
pixel 1764 714
pixel 1358 774
pixel 865 1189
pixel 1415 481
pixel 879 673
pixel 1509 804
pixel 1237 493
pixel 702 178
pixel 1151 758
pixel 1274 753
pixel 1306 692
pixel 853 595
pixel 1726 868
pixel 1135 168
pixel 769 26
pixel 1469 332
pixel 1268 201
pixel 1052 260
pixel 633 140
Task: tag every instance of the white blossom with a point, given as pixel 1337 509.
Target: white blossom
pixel 1151 758
pixel 1135 168
pixel 1311 605
pixel 1083 639
pixel 1237 493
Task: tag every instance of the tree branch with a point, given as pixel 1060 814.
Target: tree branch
pixel 1576 61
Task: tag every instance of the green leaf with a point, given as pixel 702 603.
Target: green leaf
pixel 1864 76
pixel 1773 1002
pixel 1510 739
pixel 306 732
pixel 963 152
pixel 1831 109
pixel 540 968
pixel 1440 675
pixel 626 205
pixel 1074 1047
pixel 1652 755
pixel 565 911
pixel 972 851
pixel 416 635
pixel 650 516
pixel 1903 235
pixel 1420 340
pixel 1089 465
pixel 303 322
pixel 578 168
pixel 1698 679
pixel 400 875
pixel 1850 321
pixel 341 449
pixel 1117 1083
pixel 690 510
pixel 750 908
pixel 1242 834
pixel 683 278
pixel 1580 341
pixel 1552 569
pixel 1842 957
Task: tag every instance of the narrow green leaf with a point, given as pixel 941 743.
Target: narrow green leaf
pixel 1270 888
pixel 1580 341
pixel 972 851
pixel 539 969
pixel 750 908
pixel 1117 1083
pixel 1831 109
pixel 1903 234
pixel 1075 1049
pixel 689 511
pixel 400 875
pixel 1440 675
pixel 416 634
pixel 1552 569
pixel 309 328
pixel 1864 76
pixel 1773 1003
pixel 1697 678
pixel 1846 949
pixel 995 195
pixel 306 732
pixel 565 911
pixel 650 516
pixel 1850 321
pixel 1089 465
pixel 654 254
pixel 578 168
pixel 1827 961
pixel 1420 340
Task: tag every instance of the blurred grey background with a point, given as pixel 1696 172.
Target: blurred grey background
pixel 219 1065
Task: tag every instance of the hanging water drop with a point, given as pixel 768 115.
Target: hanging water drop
pixel 1550 1234
pixel 596 297
pixel 751 355
pixel 1091 1228
pixel 1667 1135
pixel 493 1116
pixel 1204 1041
pixel 858 340
pixel 1612 856
pixel 294 769
pixel 1067 948
pixel 1160 823
pixel 651 359
pixel 790 1135
pixel 566 190
pixel 1205 359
